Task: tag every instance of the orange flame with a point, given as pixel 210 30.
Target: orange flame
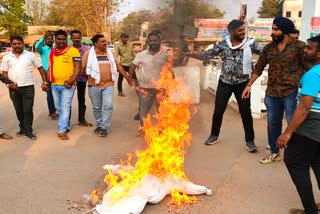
pixel 167 140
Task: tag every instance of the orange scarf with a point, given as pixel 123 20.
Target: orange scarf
pixel 56 53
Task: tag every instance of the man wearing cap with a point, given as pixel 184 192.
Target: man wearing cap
pixel 286 65
pixel 236 53
pixel 125 52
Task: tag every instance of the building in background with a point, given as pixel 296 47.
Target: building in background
pixel 293 9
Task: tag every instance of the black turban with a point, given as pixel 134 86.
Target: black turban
pixel 234 24
pixel 284 24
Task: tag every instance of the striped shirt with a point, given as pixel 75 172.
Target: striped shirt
pixel 310 86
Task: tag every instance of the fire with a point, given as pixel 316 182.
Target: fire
pixel 167 138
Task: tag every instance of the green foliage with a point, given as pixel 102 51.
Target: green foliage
pixel 132 23
pixel 270 9
pixel 171 22
pixel 13 19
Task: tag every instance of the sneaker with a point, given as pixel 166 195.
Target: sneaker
pixel 296 211
pixel 103 133
pixel 30 136
pixel 211 140
pixel 251 147
pixel 268 147
pixel 97 130
pixel 272 157
pixel 121 94
pixel 21 133
pixel 137 117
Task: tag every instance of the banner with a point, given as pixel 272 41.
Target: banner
pixel 211 29
pixel 260 29
pixel 315 26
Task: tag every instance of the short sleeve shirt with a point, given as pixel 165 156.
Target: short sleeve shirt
pixel 150 66
pixel 20 69
pixel 63 65
pixel 310 86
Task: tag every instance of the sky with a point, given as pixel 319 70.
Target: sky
pixel 229 6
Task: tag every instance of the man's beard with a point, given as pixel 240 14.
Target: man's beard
pixel 277 39
pixel 154 47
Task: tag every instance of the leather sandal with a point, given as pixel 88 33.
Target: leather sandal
pixel 85 123
pixel 5 136
pixel 63 136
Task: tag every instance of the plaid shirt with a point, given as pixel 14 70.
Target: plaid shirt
pixel 285 68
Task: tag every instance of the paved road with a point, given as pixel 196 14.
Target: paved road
pixel 40 176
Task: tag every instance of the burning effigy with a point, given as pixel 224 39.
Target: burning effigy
pixel 159 169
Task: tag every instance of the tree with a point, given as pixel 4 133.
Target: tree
pixel 270 8
pixel 168 21
pixel 132 23
pixel 87 16
pixel 37 9
pixel 13 18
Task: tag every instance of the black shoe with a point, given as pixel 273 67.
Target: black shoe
pixel 21 133
pixel 103 133
pixel 137 117
pixel 30 136
pixel 97 130
pixel 251 147
pixel 211 140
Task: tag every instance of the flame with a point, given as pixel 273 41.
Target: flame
pixel 167 140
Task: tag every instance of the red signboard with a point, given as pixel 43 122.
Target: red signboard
pixel 315 26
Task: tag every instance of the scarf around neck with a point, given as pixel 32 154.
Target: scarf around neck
pixel 55 53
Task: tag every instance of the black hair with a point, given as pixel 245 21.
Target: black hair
pixel 16 37
pixel 155 33
pixel 296 31
pixel 315 39
pixel 60 32
pixel 75 32
pixel 234 24
pixel 96 37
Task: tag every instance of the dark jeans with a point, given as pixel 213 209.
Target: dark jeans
pixel 120 79
pixel 301 154
pixel 23 100
pixel 223 95
pixel 81 92
pixel 276 106
pixel 50 101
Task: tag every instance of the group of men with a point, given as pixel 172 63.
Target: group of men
pixel 294 71
pixel 65 68
pixel 293 88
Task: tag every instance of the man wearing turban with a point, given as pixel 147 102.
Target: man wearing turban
pixel 286 65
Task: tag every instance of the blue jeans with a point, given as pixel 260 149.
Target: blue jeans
pixel 102 105
pixel 276 106
pixel 62 97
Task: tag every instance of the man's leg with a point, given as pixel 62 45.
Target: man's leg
pixel 145 103
pixel 298 157
pixel 16 98
pixel 27 94
pixel 65 106
pixel 223 95
pixel 107 100
pixel 50 102
pixel 246 116
pixel 81 92
pixel 95 95
pixel 290 103
pixel 274 113
pixel 120 79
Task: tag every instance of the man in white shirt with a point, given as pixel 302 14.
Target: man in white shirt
pixel 17 66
